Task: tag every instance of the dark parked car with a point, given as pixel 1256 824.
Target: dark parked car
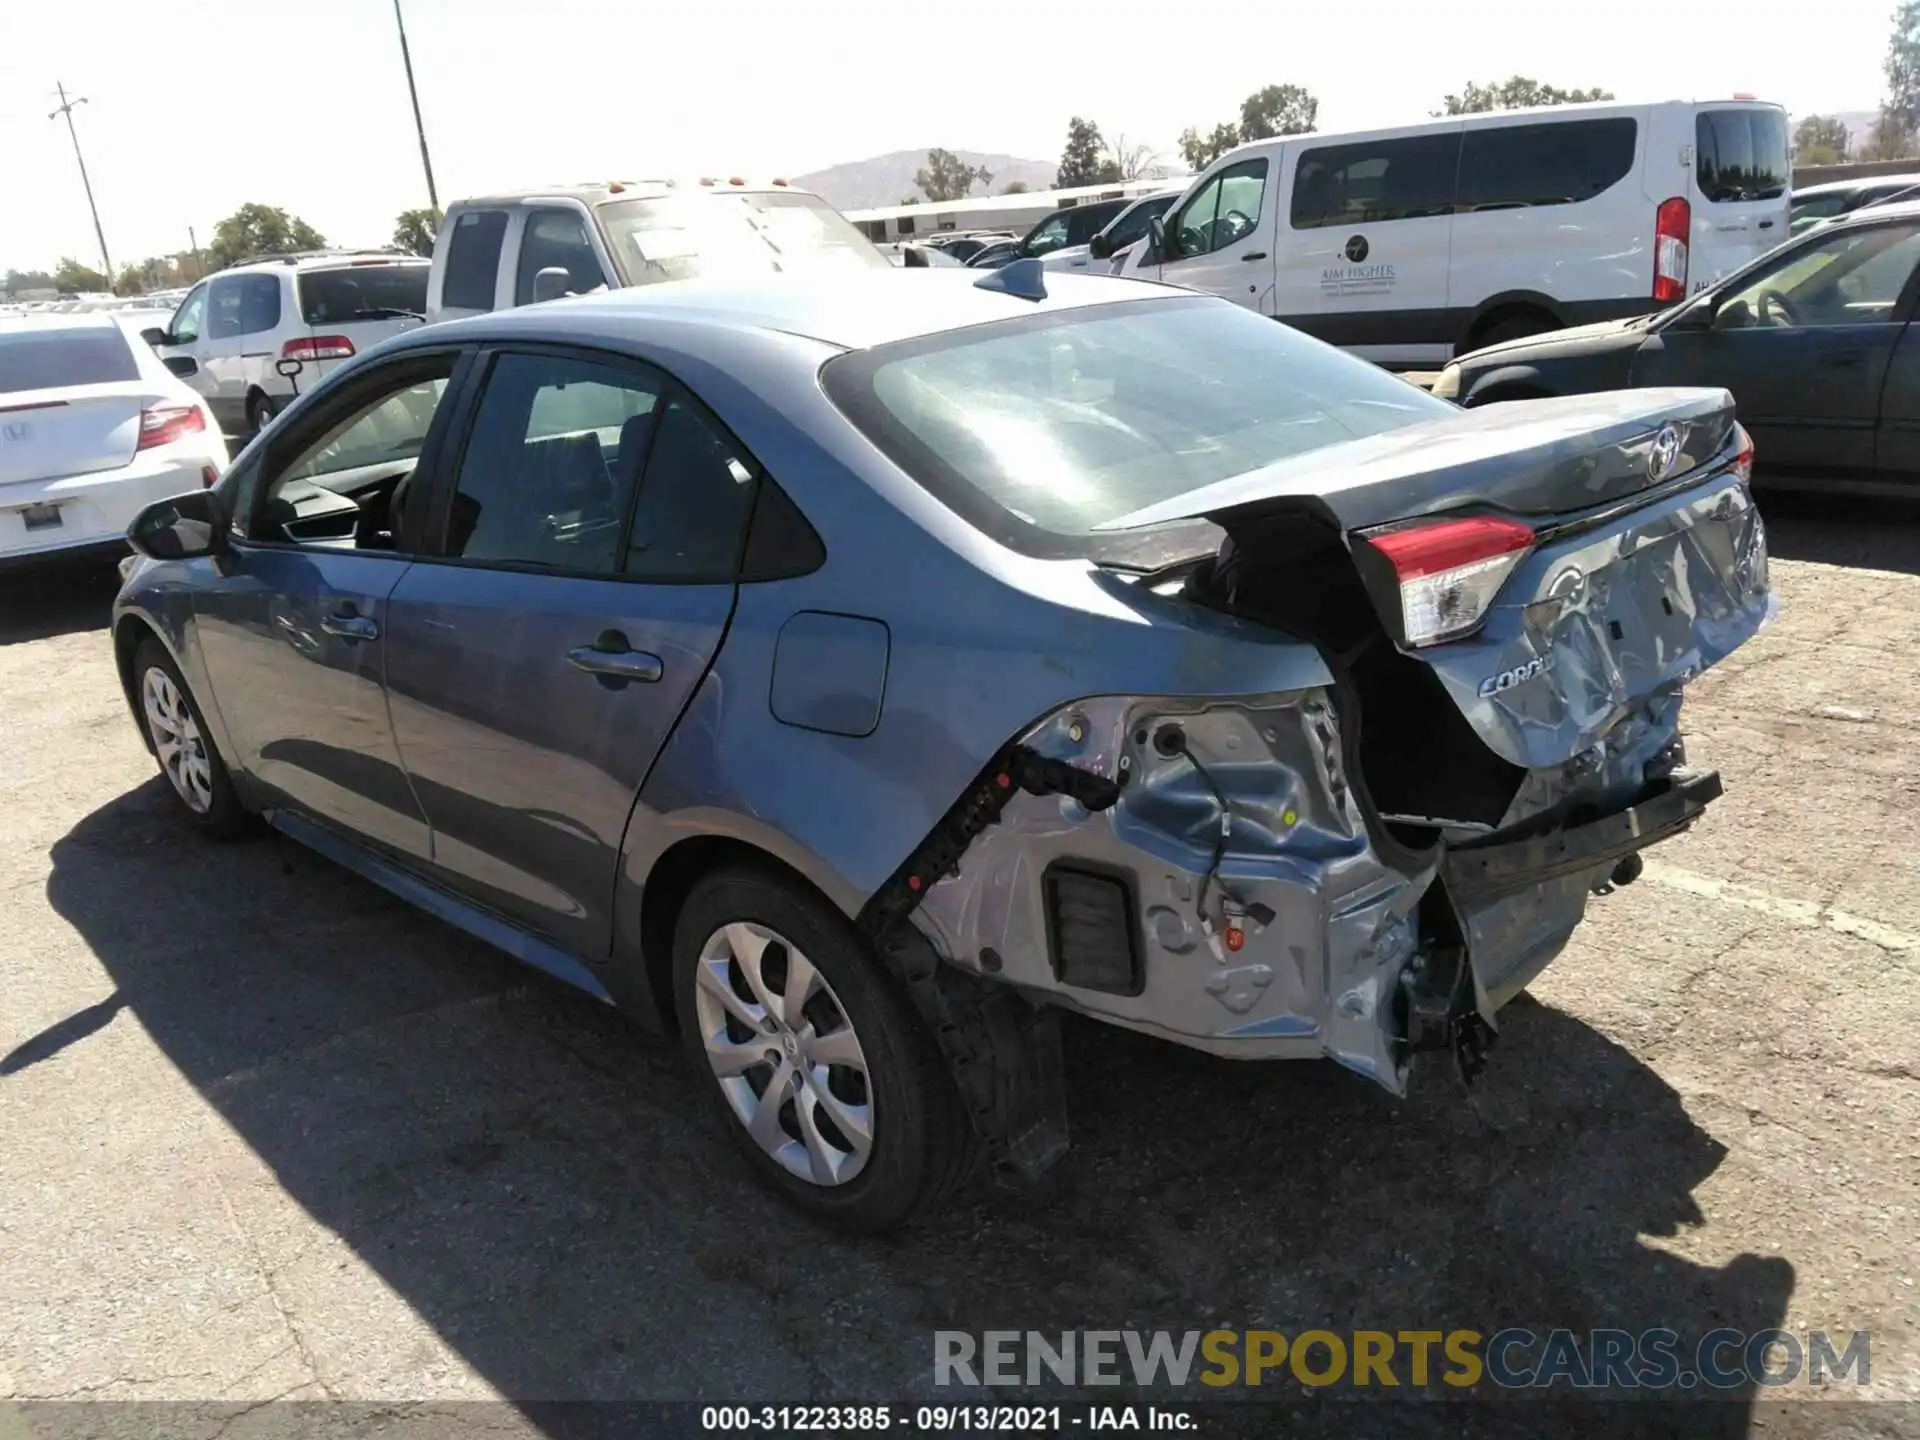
pixel 851 675
pixel 994 254
pixel 1842 197
pixel 1812 339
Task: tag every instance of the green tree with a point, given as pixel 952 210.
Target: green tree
pixel 1824 133
pixel 1890 138
pixel 1200 151
pixel 260 230
pixel 1014 187
pixel 948 177
pixel 71 275
pixel 415 229
pixel 1516 92
pixel 129 281
pixel 1081 160
pixel 18 280
pixel 1277 110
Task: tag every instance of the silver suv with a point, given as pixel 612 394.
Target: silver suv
pixel 254 336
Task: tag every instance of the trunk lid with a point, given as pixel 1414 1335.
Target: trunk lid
pixel 1648 563
pixel 74 430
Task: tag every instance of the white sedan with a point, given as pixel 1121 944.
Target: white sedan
pixel 93 427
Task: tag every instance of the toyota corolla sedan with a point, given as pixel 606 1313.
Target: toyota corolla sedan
pixel 852 676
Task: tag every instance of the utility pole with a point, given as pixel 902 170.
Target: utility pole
pixel 193 243
pixel 406 59
pixel 66 109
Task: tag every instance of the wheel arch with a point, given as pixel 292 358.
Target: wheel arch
pixel 130 627
pixel 1495 308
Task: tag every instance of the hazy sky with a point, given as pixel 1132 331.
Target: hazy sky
pixel 198 106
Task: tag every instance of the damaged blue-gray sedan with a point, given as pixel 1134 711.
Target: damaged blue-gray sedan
pixel 849 675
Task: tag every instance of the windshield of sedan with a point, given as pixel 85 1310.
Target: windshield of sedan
pixel 733 232
pixel 1042 429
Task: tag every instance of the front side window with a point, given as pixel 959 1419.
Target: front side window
pixel 223 307
pixel 1853 277
pixel 556 239
pixel 1132 224
pixel 550 469
pixel 1373 181
pixel 473 260
pixel 340 479
pixel 1223 210
pixel 1040 431
pixel 1050 234
pixel 1562 162
pixel 1741 155
pixel 185 325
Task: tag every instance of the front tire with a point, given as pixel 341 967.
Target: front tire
pixel 181 745
pixel 811 1056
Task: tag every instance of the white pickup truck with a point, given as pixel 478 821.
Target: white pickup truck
pixel 499 251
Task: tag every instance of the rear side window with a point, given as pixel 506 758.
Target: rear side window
pixel 1511 166
pixel 694 502
pixel 473 259
pixel 1740 155
pixel 259 303
pixel 50 359
pixel 365 292
pixel 1375 180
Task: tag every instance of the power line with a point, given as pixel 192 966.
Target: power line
pixel 66 109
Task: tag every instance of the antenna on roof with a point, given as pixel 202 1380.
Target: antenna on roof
pixel 1024 279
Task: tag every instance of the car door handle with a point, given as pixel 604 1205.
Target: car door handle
pixel 350 627
pixel 1254 255
pixel 616 664
pixel 1845 360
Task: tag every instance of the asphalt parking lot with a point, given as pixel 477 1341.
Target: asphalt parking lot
pixel 269 1133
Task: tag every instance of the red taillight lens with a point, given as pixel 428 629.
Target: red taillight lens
pixel 164 424
pixel 209 477
pixel 1671 224
pixel 318 347
pixel 1449 571
pixel 1742 453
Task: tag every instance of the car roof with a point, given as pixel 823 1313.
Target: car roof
pixel 304 260
pixel 1859 182
pixel 853 311
pixel 594 194
pixel 59 320
pixel 1876 214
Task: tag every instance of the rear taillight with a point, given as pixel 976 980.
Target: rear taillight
pixel 1671 224
pixel 208 477
pixel 164 424
pixel 1742 453
pixel 318 347
pixel 1449 571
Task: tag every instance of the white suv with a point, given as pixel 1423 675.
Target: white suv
pixel 254 336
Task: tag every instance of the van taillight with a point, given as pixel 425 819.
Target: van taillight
pixel 1671 222
pixel 318 347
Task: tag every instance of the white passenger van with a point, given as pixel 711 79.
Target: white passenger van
pixel 1409 245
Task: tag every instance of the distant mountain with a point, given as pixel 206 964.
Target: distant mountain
pixel 888 179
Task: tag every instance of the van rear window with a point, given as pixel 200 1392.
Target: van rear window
pixel 1741 155
pixel 362 292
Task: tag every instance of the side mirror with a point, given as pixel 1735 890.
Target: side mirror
pixel 181 528
pixel 154 335
pixel 551 283
pixel 181 365
pixel 1100 247
pixel 1158 238
pixel 914 258
pixel 1697 316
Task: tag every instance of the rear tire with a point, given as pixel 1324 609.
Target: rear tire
pixel 842 1103
pixel 260 413
pixel 184 750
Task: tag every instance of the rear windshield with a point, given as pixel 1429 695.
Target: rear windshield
pixel 1741 154
pixel 362 292
pixel 51 359
pixel 724 232
pixel 1042 429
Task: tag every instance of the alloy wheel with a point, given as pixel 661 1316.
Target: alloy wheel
pixel 784 1051
pixel 177 741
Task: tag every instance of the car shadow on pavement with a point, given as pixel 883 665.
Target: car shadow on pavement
pixel 1859 533
pixel 56 599
pixel 532 1176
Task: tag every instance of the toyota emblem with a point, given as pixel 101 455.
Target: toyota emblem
pixel 1665 454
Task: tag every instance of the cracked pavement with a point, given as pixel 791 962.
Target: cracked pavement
pixel 269 1134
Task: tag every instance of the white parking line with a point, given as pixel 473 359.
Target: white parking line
pixel 1810 914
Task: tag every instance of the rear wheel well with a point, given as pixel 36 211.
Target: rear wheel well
pixel 671 881
pixel 1510 321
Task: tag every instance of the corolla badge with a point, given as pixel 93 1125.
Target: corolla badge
pixel 1664 456
pixel 1519 675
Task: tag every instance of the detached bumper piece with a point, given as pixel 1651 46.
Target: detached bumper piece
pixel 1483 870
